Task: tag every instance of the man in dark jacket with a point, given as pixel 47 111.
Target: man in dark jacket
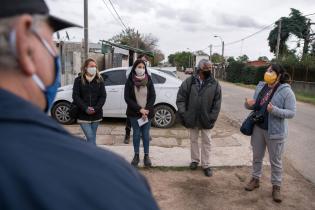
pixel 42 166
pixel 199 103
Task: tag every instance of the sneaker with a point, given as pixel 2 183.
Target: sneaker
pixel 127 139
pixel 193 165
pixel 276 195
pixel 254 183
pixel 208 172
pixel 146 160
pixel 135 160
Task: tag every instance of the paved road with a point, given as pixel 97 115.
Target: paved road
pixel 300 147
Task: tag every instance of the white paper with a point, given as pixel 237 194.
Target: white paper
pixel 141 121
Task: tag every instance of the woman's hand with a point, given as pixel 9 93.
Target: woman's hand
pixel 90 110
pixel 250 102
pixel 144 111
pixel 269 107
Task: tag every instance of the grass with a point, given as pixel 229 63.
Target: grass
pixel 305 97
pixel 300 96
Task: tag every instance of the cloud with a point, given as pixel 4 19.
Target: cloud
pixel 238 21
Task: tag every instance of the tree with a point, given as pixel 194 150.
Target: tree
pixel 290 61
pixel 147 42
pixel 180 59
pixel 242 58
pixel 231 59
pixel 296 24
pixel 308 61
pixel 216 58
pixel 158 57
pixel 171 59
pixel 263 58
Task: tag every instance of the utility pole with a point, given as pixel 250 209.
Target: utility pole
pixel 223 49
pixel 307 39
pixel 278 39
pixel 86 30
pixel 210 51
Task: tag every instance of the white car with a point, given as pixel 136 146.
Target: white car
pixel 166 88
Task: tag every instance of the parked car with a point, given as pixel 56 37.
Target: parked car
pixel 166 88
pixel 171 71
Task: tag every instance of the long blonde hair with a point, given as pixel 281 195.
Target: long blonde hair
pixel 83 71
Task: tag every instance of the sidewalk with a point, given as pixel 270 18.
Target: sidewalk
pixel 171 147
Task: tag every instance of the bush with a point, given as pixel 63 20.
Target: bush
pixel 238 72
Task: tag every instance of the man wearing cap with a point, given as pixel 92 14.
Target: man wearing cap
pixel 199 102
pixel 42 166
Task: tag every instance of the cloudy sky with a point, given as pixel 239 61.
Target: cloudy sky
pixel 185 24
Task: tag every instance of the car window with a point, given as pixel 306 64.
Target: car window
pixel 157 79
pixel 116 77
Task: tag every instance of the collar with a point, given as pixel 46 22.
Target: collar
pixel 14 108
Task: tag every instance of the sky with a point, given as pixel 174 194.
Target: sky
pixel 185 25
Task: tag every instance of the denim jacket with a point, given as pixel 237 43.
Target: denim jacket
pixel 284 107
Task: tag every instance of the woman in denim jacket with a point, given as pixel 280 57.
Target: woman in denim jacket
pixel 272 131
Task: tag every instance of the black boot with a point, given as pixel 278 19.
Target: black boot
pixel 146 160
pixel 127 139
pixel 135 160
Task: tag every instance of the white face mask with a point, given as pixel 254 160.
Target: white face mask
pixel 140 72
pixel 91 70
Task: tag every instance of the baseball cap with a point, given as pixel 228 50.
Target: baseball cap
pixel 10 8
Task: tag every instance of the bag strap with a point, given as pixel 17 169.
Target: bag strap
pixel 264 109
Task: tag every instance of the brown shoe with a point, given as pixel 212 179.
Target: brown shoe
pixel 254 183
pixel 276 195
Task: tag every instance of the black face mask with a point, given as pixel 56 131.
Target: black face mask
pixel 206 74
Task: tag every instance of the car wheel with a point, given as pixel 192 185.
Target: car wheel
pixel 164 116
pixel 60 112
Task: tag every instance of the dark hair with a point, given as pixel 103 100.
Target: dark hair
pixel 140 56
pixel 284 75
pixel 135 64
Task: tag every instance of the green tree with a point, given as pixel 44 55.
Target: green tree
pixel 308 62
pixel 231 59
pixel 171 59
pixel 183 59
pixel 295 24
pixel 263 58
pixel 290 61
pixel 216 58
pixel 242 58
pixel 147 42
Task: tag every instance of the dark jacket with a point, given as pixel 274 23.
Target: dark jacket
pixel 44 167
pixel 199 106
pixel 89 94
pixel 133 109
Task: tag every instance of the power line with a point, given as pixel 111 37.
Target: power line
pixel 251 35
pixel 111 12
pixel 122 22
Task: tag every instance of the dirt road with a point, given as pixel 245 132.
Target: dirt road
pixel 182 189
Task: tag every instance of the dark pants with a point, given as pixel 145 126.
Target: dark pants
pixel 144 130
pixel 128 127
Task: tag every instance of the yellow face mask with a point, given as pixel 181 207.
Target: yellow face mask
pixel 270 77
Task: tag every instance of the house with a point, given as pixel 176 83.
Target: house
pixel 199 55
pixel 257 63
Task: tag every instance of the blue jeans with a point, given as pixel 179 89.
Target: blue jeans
pixel 145 134
pixel 89 130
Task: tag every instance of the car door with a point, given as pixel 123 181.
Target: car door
pixel 114 84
